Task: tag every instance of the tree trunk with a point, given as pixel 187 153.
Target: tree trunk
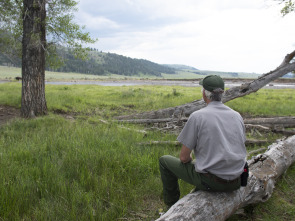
pixel 232 93
pixel 265 169
pixel 33 101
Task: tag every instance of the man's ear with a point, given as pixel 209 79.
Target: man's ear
pixel 207 100
pixel 204 95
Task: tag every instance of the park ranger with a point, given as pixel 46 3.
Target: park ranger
pixel 216 135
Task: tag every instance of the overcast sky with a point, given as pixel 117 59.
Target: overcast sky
pixel 220 35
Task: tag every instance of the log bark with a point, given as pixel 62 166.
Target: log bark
pixel 257 127
pixel 261 124
pixel 271 122
pixel 176 143
pixel 284 132
pixel 265 169
pixel 247 88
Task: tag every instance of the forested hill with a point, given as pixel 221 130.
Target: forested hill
pixel 100 63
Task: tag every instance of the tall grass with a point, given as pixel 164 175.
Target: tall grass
pixel 104 100
pixel 9 73
pixel 110 101
pixel 266 102
pixel 53 168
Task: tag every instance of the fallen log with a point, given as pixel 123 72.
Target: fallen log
pixel 250 122
pixel 155 142
pixel 257 127
pixel 151 121
pixel 272 122
pixel 176 143
pixel 284 132
pixel 266 125
pixel 123 127
pixel 265 169
pixel 274 129
pixel 247 88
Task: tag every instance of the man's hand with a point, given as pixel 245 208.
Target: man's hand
pixel 185 154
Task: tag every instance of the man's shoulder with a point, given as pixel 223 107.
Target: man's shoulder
pixel 214 108
pixel 200 113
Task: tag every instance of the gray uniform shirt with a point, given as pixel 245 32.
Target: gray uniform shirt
pixel 216 133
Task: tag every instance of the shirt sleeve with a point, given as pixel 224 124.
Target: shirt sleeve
pixel 188 135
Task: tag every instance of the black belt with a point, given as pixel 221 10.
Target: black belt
pixel 220 180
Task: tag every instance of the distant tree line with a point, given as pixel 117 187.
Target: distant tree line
pixel 127 66
pixel 98 63
pixel 69 63
pixel 9 61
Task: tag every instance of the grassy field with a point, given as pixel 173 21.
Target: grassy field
pixel 81 168
pixel 9 73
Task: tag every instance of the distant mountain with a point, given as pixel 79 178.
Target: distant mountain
pixel 100 63
pixel 180 67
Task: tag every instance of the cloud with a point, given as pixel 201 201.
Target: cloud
pixel 224 35
pixel 98 22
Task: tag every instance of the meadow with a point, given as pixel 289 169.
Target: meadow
pixel 9 73
pixel 76 163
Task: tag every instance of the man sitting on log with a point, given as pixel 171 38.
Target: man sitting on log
pixel 216 134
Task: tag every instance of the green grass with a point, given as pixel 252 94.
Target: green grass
pixel 266 102
pixel 103 100
pixel 9 73
pixel 54 168
pixel 281 205
pixel 110 101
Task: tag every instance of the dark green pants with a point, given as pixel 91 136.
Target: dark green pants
pixel 172 169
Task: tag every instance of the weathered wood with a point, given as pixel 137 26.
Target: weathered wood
pixel 120 126
pixel 257 127
pixel 273 129
pixel 232 93
pixel 265 169
pixel 151 121
pixel 176 143
pixel 155 142
pixel 284 132
pixel 261 124
pixel 271 122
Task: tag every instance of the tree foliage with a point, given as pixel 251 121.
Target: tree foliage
pixel 101 63
pixel 289 6
pixel 11 30
pixel 60 30
pixel 32 29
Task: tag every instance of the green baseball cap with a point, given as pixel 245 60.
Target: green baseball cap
pixel 212 82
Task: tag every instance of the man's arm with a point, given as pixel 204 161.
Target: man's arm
pixel 185 154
